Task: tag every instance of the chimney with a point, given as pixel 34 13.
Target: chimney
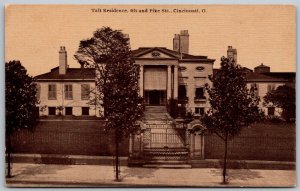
pixel 176 43
pixel 62 61
pixel 232 54
pixel 181 42
pixel 184 41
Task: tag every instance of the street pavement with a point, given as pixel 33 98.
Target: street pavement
pixel 50 175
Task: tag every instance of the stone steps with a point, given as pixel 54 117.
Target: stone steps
pixel 156 109
pixel 158 119
pixel 166 158
pixel 157 113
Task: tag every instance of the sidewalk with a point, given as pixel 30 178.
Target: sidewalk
pixel 49 175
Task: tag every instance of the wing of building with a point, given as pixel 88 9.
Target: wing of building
pixel 67 91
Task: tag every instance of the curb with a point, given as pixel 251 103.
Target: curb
pixel 245 164
pixel 125 161
pixel 112 184
pixel 67 159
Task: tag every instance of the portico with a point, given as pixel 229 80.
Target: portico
pixel 158 78
pixel 158 83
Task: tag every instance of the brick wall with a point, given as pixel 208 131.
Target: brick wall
pixel 271 142
pixel 67 137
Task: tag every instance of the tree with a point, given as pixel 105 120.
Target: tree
pixel 20 103
pixel 108 51
pixel 232 104
pixel 284 98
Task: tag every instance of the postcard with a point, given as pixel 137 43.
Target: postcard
pixel 150 95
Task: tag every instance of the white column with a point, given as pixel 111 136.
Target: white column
pixel 141 80
pixel 169 85
pixel 175 82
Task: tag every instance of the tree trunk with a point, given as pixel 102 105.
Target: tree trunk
pixel 8 152
pixel 225 160
pixel 117 156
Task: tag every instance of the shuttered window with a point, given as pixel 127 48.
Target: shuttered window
pixel 52 91
pixel 68 91
pixel 85 91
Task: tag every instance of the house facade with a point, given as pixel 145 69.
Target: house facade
pixel 164 74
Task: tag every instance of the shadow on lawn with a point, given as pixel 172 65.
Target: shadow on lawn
pixel 39 169
pixel 139 172
pixel 238 174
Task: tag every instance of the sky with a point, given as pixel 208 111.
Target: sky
pixel 261 34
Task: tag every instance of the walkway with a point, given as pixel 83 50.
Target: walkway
pixel 32 175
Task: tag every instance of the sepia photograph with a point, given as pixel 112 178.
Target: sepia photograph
pixel 150 95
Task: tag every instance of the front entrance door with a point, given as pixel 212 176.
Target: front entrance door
pixel 155 97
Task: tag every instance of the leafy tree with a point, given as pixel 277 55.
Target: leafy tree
pixel 283 97
pixel 232 104
pixel 108 51
pixel 20 103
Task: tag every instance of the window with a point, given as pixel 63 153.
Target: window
pixel 38 91
pixel 85 91
pixel 255 86
pixel 68 92
pixel 200 93
pixel 181 92
pixel 199 110
pixel 271 87
pixel 85 110
pixel 51 110
pixel 271 111
pixel 52 91
pixel 69 111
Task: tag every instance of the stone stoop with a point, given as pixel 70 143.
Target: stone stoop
pixel 157 113
pixel 159 121
pixel 166 158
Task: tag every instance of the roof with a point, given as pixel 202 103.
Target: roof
pixel 258 77
pixel 247 70
pixel 285 75
pixel 71 74
pixel 144 50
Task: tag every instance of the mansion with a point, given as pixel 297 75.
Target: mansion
pixel 164 74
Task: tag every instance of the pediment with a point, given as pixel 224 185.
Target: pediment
pixel 157 53
pixel 196 126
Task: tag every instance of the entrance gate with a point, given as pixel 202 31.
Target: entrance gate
pixel 162 142
pixel 164 136
pixel 165 142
